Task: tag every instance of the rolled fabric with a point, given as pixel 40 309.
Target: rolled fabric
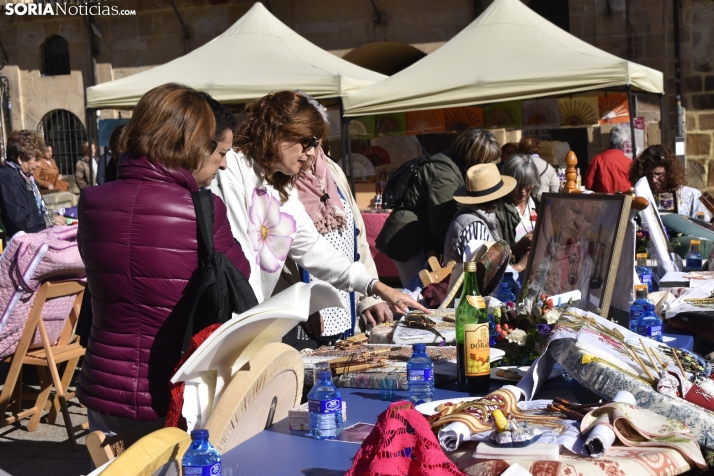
pixel 452 435
pixel 602 437
pixel 599 441
pixel 623 396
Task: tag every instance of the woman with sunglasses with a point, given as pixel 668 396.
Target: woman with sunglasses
pixel 137 238
pixel 278 140
pixel 517 214
pixel 667 179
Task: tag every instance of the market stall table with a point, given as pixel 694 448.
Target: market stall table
pixel 373 223
pixel 279 451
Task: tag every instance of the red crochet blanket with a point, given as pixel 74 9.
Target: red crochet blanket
pixel 402 443
pixel 174 417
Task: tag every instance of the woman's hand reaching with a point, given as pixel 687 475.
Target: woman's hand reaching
pixel 398 301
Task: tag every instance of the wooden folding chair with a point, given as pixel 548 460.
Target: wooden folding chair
pixel 46 358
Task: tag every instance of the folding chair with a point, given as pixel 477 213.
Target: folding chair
pixel 46 358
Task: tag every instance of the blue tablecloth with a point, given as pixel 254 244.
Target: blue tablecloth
pixel 278 451
pixel 680 341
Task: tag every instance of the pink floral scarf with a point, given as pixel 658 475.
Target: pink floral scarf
pixel 318 193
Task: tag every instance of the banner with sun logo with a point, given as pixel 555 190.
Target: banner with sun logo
pixel 580 111
pixel 540 114
pixel 613 108
pixel 425 122
pixel 504 115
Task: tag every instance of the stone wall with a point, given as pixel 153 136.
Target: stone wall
pixel 131 44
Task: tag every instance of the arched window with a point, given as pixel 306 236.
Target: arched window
pixel 65 133
pixel 55 56
pixel 555 11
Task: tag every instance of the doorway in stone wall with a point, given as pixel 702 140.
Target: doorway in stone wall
pixel 65 133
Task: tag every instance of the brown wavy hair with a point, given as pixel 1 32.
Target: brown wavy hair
pixel 529 145
pixel 283 116
pixel 173 126
pixel 25 143
pixel 655 156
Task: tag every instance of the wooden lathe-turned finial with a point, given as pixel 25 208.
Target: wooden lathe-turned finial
pixel 571 174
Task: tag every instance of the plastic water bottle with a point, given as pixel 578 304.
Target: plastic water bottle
pixel 650 324
pixel 325 405
pixel 504 294
pixel 638 306
pixel 694 257
pixel 643 271
pixel 201 457
pixel 420 375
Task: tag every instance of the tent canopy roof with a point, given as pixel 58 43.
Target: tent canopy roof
pixel 509 52
pixel 261 55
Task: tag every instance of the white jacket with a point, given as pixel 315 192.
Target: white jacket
pixel 269 231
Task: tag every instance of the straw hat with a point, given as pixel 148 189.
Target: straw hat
pixel 483 184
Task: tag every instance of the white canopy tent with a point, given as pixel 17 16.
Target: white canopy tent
pixel 256 56
pixel 509 52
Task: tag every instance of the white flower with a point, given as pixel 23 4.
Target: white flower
pixel 552 316
pixel 518 336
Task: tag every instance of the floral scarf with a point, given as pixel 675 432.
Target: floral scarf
pixel 318 193
pixel 32 186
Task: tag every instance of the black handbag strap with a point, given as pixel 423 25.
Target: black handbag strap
pixel 203 203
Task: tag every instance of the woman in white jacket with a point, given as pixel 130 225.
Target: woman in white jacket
pixel 278 140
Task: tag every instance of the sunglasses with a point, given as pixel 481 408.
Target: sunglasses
pixel 309 143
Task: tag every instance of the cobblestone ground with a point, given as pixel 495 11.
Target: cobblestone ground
pixel 46 450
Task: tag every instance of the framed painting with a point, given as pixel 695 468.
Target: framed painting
pixel 576 246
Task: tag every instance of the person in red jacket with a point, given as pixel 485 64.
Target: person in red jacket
pixel 609 172
pixel 138 240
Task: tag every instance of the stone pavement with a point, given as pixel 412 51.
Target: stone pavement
pixel 46 450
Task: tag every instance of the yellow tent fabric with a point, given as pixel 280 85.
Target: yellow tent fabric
pixel 256 56
pixel 509 52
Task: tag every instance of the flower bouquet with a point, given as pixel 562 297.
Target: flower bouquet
pixel 522 329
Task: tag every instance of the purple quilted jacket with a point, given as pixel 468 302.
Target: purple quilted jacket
pixel 138 240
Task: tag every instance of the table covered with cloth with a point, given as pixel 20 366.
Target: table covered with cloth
pixel 299 454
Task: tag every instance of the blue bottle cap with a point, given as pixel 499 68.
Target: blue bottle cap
pixel 201 434
pixel 419 347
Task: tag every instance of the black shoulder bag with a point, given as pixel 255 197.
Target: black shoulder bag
pixel 219 289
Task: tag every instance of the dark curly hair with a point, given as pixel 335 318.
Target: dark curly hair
pixel 286 115
pixel 655 156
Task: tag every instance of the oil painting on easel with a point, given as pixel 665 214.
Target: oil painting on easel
pixel 576 246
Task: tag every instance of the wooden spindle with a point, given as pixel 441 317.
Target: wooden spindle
pixel 571 174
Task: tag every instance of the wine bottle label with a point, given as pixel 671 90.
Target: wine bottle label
pixel 477 352
pixel 476 301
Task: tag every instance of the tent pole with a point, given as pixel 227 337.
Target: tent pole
pixel 661 118
pixel 90 129
pixel 630 104
pixel 346 147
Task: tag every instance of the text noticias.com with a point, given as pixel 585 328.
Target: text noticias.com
pixel 64 9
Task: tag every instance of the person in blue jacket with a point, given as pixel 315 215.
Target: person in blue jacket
pixel 21 205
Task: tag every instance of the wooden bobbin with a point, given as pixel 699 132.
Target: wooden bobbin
pixel 571 173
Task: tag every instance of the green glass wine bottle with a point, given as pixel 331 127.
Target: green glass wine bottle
pixel 472 336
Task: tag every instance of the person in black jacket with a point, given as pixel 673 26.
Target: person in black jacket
pixel 21 205
pixel 416 229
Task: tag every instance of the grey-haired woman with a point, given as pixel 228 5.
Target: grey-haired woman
pixel 517 214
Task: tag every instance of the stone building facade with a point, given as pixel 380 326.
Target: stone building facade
pixel 118 46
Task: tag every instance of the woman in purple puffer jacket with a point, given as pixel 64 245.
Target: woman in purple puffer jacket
pixel 138 239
